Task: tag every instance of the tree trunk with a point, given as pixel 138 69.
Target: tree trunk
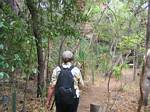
pixel 14 5
pixel 134 65
pixel 40 78
pixel 36 32
pixel 48 57
pixel 148 28
pixel 60 49
pixel 45 66
pixel 143 68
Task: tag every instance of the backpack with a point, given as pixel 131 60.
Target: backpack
pixel 64 89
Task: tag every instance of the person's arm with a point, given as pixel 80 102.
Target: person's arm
pixel 79 77
pixel 49 96
pixel 51 88
pixel 81 82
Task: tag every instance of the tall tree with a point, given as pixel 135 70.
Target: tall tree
pixel 143 67
pixel 32 6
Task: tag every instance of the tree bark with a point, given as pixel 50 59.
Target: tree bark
pixel 134 65
pixel 38 38
pixel 143 67
pixel 14 5
pixel 148 28
pixel 60 49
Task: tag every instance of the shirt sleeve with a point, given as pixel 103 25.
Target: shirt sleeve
pixel 54 77
pixel 78 76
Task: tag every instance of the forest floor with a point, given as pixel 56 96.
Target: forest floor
pixel 124 95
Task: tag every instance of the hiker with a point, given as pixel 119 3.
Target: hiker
pixel 65 83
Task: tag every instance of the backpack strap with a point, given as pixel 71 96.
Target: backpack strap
pixel 72 66
pixel 61 67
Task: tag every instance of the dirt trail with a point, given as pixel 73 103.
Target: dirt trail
pixel 124 94
pixel 92 95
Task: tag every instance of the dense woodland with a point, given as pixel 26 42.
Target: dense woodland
pixel 109 39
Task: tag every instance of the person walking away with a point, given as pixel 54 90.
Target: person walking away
pixel 65 83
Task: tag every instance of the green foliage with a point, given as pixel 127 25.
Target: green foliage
pixel 59 19
pixel 84 52
pixel 117 71
pixel 82 55
pixel 4 75
pixel 131 42
pixel 16 41
pixel 3 64
pixel 103 62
